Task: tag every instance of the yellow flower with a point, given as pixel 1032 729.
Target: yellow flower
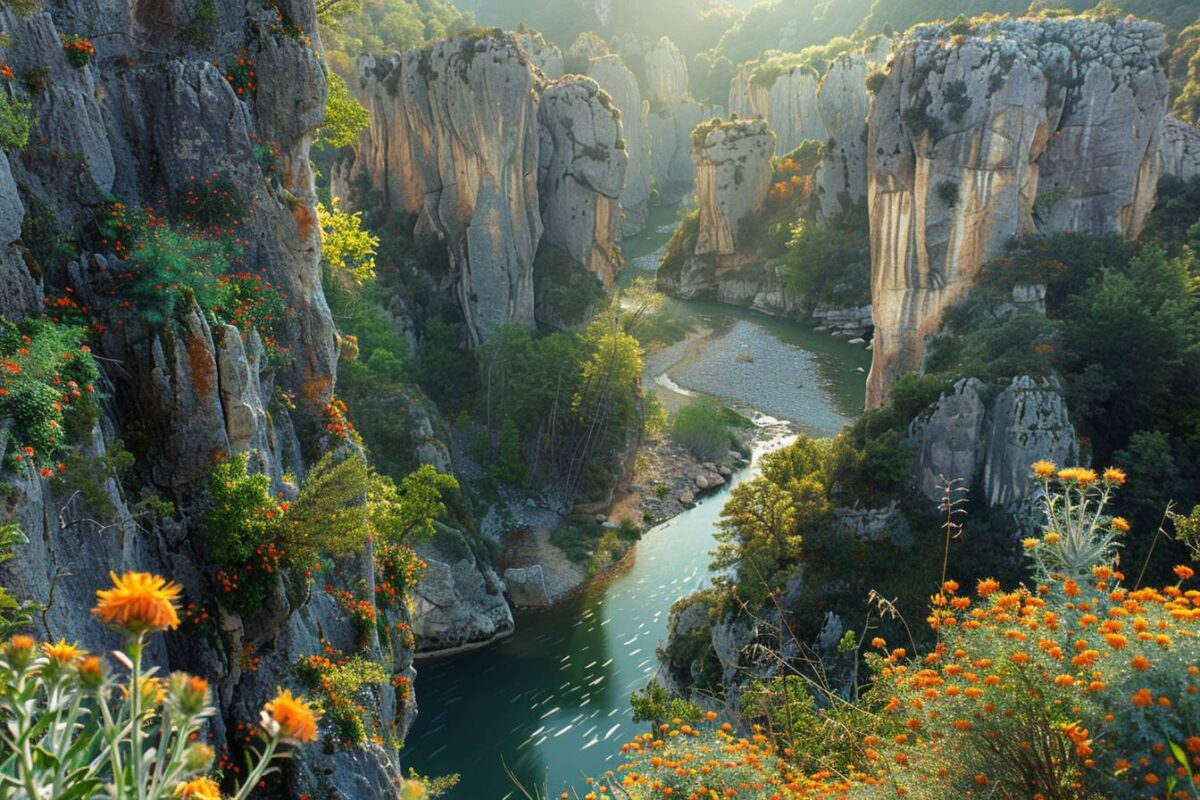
pixel 1077 475
pixel 153 692
pixel 1052 537
pixel 1029 543
pixel 1043 468
pixel 139 602
pixel 62 653
pixel 295 718
pixel 1114 475
pixel 1121 524
pixel 198 789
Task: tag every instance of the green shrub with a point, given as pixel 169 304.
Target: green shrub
pixel 240 527
pixel 47 385
pixel 947 192
pixel 16 121
pixel 702 427
pixel 876 80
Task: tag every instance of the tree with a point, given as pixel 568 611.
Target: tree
pixel 406 513
pixel 346 247
pixel 758 536
pixel 345 117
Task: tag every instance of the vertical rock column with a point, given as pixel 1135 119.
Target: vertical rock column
pixel 581 173
pixel 616 79
pixel 733 179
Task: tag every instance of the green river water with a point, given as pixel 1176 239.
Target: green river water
pixel 550 704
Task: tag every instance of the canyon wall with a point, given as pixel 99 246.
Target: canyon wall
pixel 615 78
pixel 787 101
pixel 152 114
pixel 458 141
pixel 1021 127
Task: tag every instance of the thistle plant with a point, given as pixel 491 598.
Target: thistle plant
pixel 76 727
pixel 1078 535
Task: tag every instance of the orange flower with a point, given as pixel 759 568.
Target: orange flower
pixel 1140 663
pixel 295 718
pixel 1121 524
pixel 62 653
pixel 139 602
pixel 1043 468
pixel 1184 572
pixel 198 789
pixel 1114 475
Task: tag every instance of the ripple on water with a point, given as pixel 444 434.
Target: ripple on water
pixel 781 380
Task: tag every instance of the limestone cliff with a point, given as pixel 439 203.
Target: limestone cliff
pixel 615 78
pixel 581 172
pixel 542 54
pixel 459 142
pixel 843 104
pixel 1022 126
pixel 153 111
pixel 787 101
pixel 733 178
pixel 454 139
pixel 1180 149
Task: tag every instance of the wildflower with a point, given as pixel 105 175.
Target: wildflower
pixel 1043 468
pixel 1029 543
pixel 1121 524
pixel 19 650
pixel 62 653
pixel 1184 572
pixel 198 789
pixel 295 718
pixel 190 692
pixel 1114 475
pixel 139 602
pixel 1140 663
pixel 91 672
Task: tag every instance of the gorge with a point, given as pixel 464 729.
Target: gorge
pixel 540 410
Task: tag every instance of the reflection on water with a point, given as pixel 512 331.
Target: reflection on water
pixel 552 702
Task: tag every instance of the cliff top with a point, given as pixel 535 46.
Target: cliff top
pixel 718 131
pixel 1124 45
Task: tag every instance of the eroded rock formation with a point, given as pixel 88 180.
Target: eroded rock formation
pixel 733 178
pixel 457 139
pixel 787 101
pixel 1024 126
pixel 581 174
pixel 621 85
pixel 1180 149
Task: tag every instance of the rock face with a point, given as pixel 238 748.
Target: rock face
pixel 733 179
pixel 454 139
pixel 152 110
pixel 843 104
pixel 1180 149
pixel 987 448
pixel 460 141
pixel 666 75
pixel 542 54
pixel 1024 126
pixel 788 102
pixel 615 79
pixel 458 602
pixel 581 173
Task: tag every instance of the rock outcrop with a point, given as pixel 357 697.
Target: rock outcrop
pixel 1023 126
pixel 469 139
pixel 542 54
pixel 621 85
pixel 454 139
pixel 733 178
pixel 987 447
pixel 1180 149
pixel 581 172
pixel 787 101
pixel 843 104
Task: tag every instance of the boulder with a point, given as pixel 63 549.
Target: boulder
pixel 527 587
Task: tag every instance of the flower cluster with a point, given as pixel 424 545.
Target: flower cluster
pixel 79 49
pixel 249 301
pixel 76 727
pixel 397 571
pixel 344 682
pixel 241 75
pixel 212 205
pixel 47 382
pixel 337 420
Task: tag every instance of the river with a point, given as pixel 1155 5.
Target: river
pixel 550 704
